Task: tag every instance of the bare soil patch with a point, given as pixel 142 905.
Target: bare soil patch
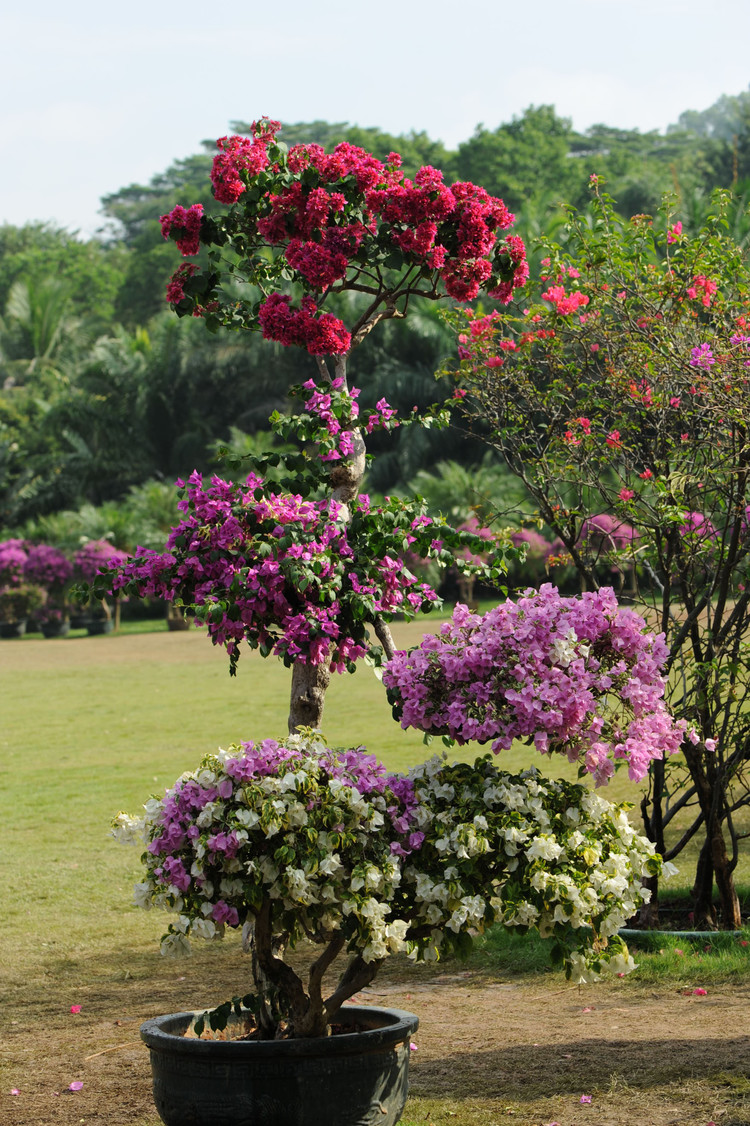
pixel 490 1051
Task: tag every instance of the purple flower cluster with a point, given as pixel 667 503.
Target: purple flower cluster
pixel 226 837
pixel 603 533
pixel 575 675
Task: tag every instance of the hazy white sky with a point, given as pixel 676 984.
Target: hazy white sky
pixel 97 96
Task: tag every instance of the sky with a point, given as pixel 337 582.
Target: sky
pixel 98 96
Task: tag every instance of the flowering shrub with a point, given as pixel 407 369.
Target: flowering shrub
pixel 630 404
pixel 295 840
pixel 96 557
pixel 13 556
pixel 579 676
pixel 301 579
pixel 48 566
pixel 524 851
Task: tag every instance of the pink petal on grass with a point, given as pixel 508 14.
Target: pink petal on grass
pixel 413 1047
pixel 588 1009
pixel 15 1091
pixel 76 1008
pixel 585 1098
pixel 700 992
pixel 76 1085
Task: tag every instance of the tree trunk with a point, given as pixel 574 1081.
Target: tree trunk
pixel 714 860
pixel 310 682
pixel 653 822
pixel 704 913
pixel 309 685
pixel 731 918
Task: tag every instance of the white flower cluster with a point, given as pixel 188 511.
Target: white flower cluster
pixel 526 851
pixel 294 824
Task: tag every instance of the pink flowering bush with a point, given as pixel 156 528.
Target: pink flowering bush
pixel 95 558
pixel 292 839
pixel 48 567
pixel 301 579
pixel 577 676
pixel 296 841
pixel 13 556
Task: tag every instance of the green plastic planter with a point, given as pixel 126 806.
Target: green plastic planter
pixel 356 1078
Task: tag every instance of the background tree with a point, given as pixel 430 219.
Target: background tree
pixel 622 393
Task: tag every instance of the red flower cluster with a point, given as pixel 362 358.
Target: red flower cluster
pixel 184 225
pixel 706 286
pixel 175 290
pixel 238 155
pixel 331 215
pixel 323 335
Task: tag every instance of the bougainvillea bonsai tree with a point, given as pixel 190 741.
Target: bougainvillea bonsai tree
pixel 304 842
pixel 622 394
pixel 292 839
pixel 304 578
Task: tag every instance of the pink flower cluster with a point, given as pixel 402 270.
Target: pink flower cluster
pixel 48 567
pixel 216 822
pixel 702 357
pixel 13 556
pixel 184 226
pixel 575 675
pixel 706 287
pixel 565 303
pixel 604 533
pixel 176 284
pixel 95 558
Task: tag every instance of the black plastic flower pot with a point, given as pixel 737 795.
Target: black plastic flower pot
pixel 55 629
pixel 354 1078
pixel 9 630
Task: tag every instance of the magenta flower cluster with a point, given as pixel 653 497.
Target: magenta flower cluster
pixel 13 556
pixel 327 214
pixel 48 567
pixel 313 830
pixel 579 676
pixel 96 557
pixel 281 572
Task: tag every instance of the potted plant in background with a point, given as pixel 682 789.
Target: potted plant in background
pixel 97 555
pixel 293 839
pixel 50 569
pixel 18 599
pixel 17 604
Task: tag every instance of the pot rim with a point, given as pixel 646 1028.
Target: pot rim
pixel 165 1034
